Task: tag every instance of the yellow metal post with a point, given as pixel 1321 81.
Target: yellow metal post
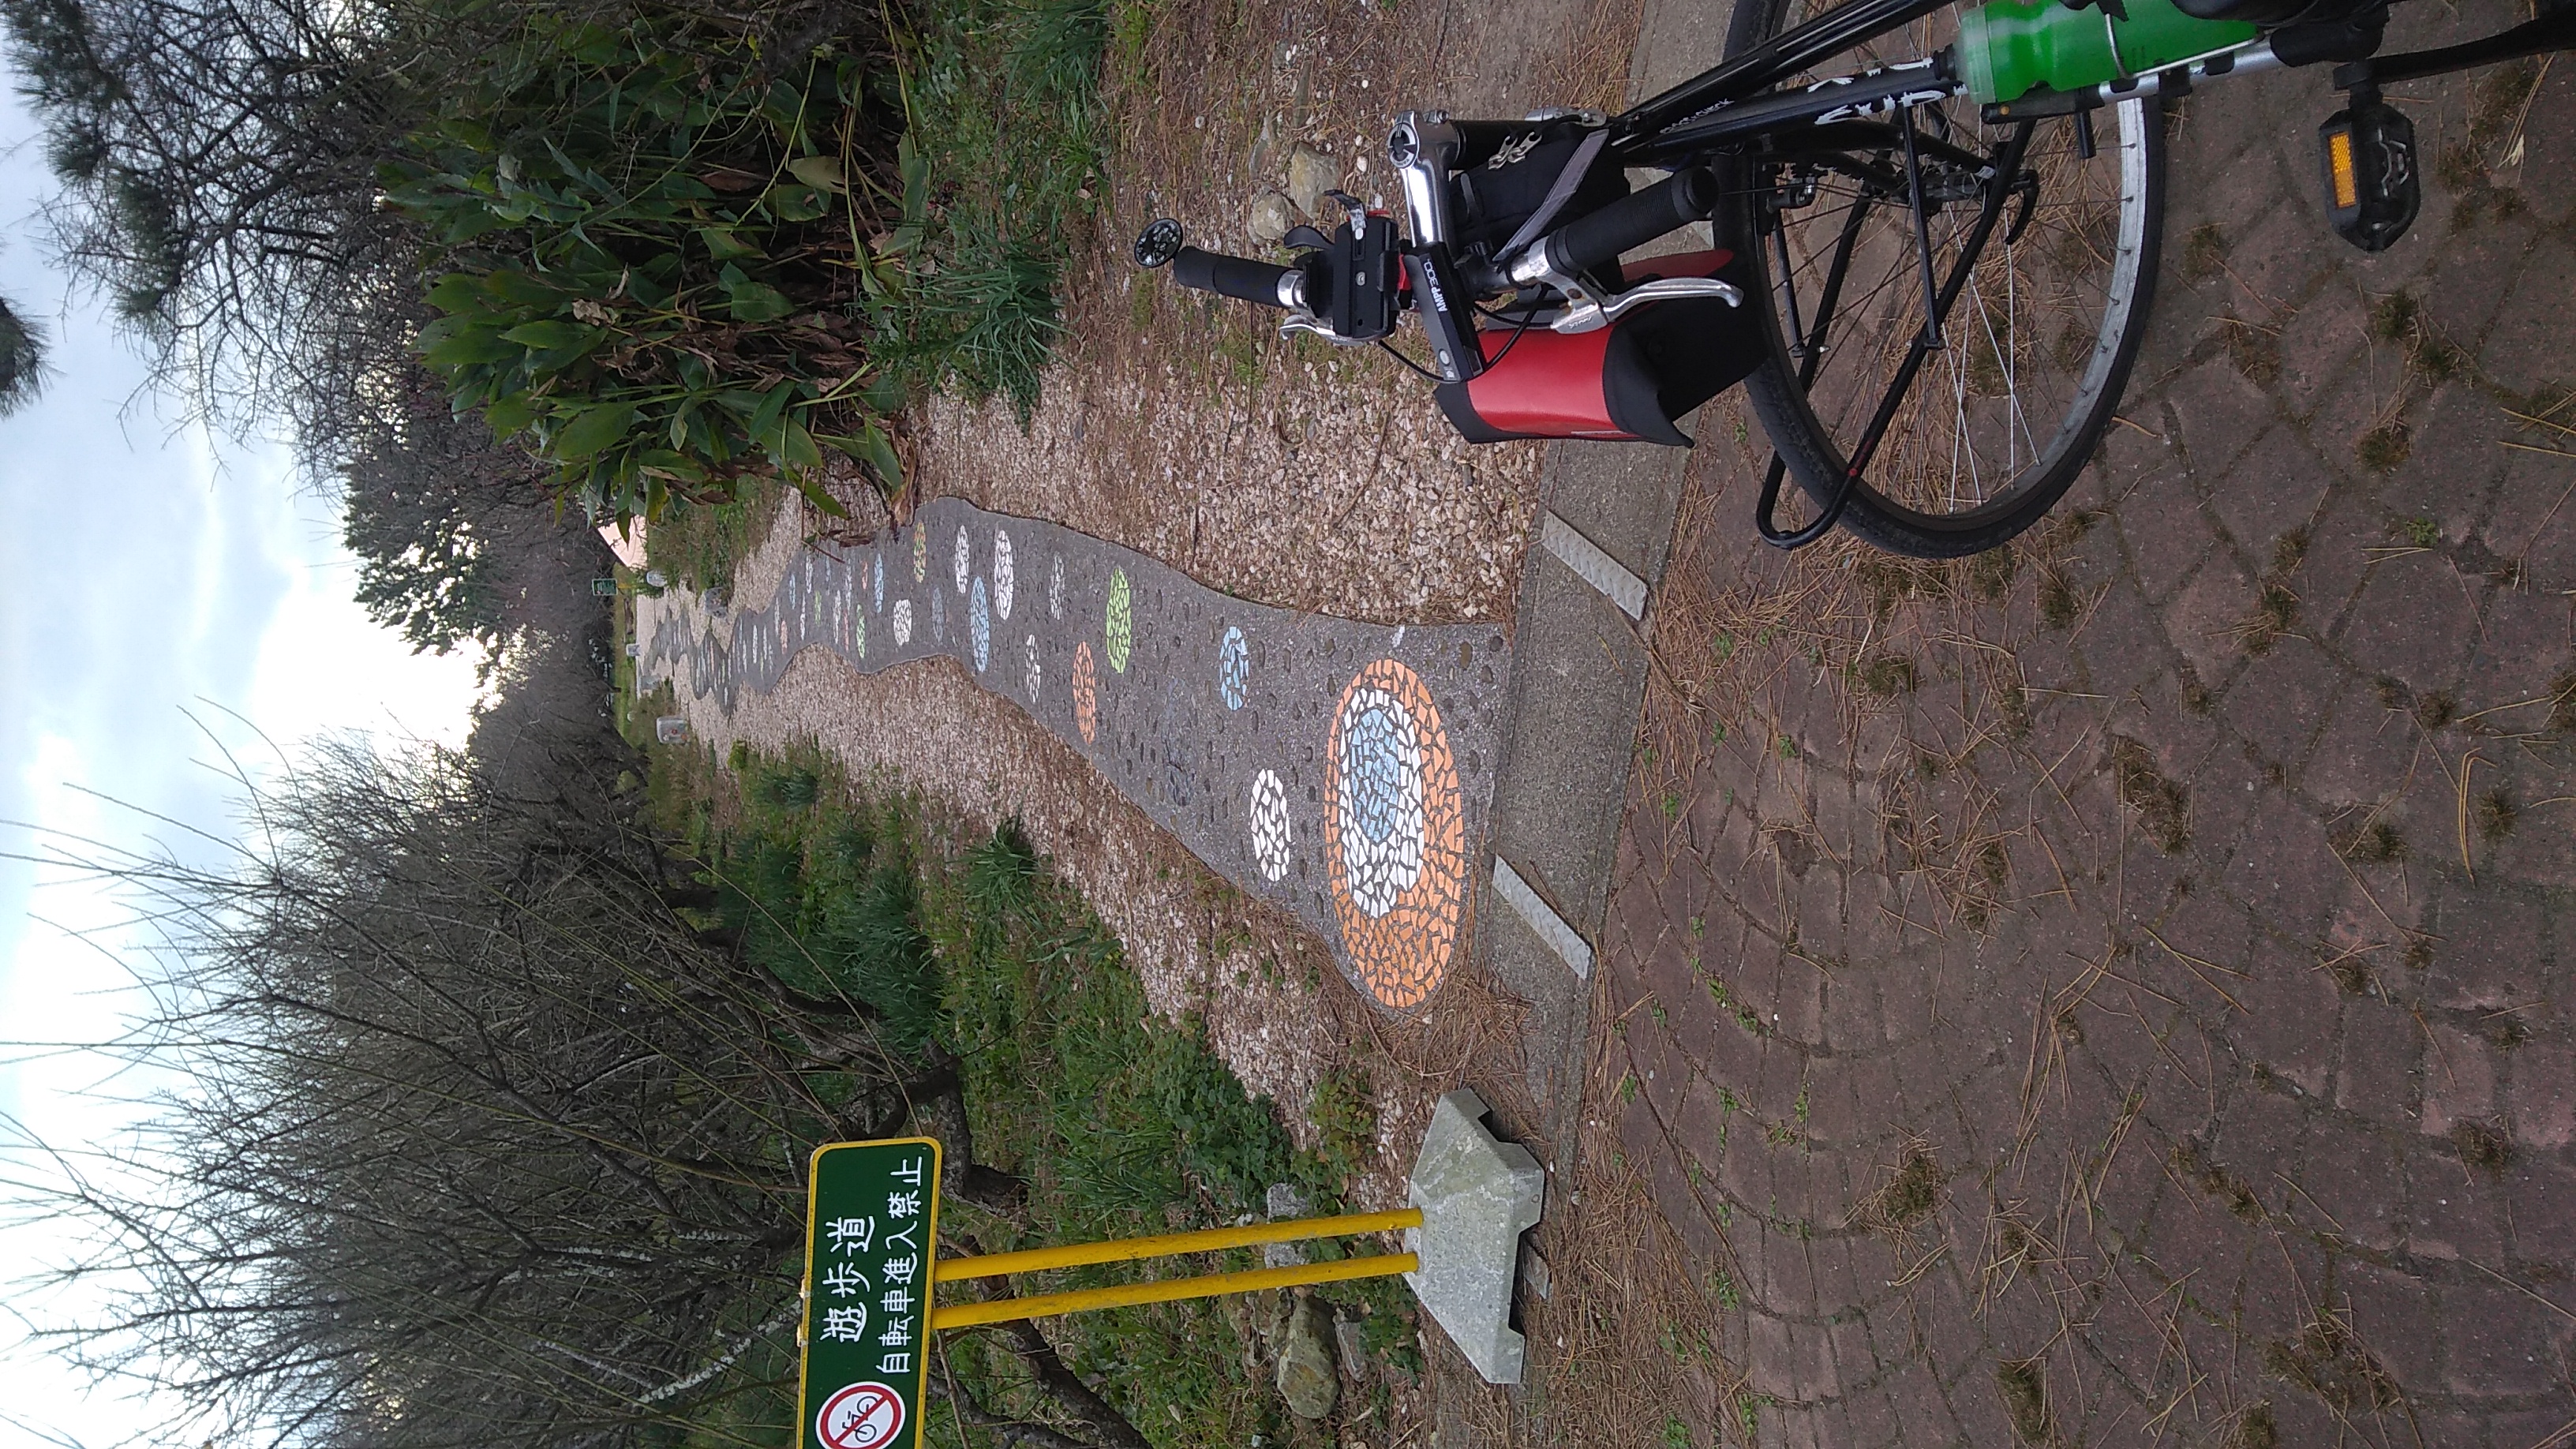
pixel 1047 1305
pixel 1072 1255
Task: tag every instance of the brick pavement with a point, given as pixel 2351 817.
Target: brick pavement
pixel 2141 1017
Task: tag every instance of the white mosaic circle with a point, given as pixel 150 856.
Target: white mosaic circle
pixel 1034 675
pixel 1379 804
pixel 1270 840
pixel 880 573
pixel 1005 576
pixel 1055 589
pixel 965 558
pixel 902 623
pixel 979 628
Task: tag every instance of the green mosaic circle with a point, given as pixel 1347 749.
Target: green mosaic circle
pixel 1122 621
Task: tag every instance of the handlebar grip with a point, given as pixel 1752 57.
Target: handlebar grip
pixel 1632 221
pixel 1238 277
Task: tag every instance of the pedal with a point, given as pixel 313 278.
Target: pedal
pixel 2374 188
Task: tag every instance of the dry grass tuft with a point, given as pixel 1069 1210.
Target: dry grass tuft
pixel 2383 448
pixel 2023 1385
pixel 2163 808
pixel 2276 610
pixel 2195 695
pixel 2562 704
pixel 2255 1428
pixel 1990 574
pixel 2481 1146
pixel 1912 1190
pixel 2371 842
pixel 2326 1359
pixel 2255 349
pixel 2204 253
pixel 2059 604
pixel 2436 708
pixel 2496 814
pixel 1889 675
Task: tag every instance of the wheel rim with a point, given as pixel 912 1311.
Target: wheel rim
pixel 2035 342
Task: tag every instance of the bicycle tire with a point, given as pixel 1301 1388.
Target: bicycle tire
pixel 1892 506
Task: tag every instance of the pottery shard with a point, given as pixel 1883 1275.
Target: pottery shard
pixel 1311 173
pixel 1307 1372
pixel 1270 217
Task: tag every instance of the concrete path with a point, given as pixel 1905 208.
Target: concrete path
pixel 1341 770
pixel 2139 1015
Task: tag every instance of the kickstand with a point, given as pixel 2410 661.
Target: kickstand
pixel 1781 538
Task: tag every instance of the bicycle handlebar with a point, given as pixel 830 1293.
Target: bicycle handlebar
pixel 1241 278
pixel 1598 239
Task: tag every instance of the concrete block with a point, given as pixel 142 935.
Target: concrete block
pixel 1477 1197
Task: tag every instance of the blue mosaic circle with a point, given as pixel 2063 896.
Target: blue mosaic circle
pixel 880 573
pixel 979 626
pixel 938 617
pixel 1233 667
pixel 1373 753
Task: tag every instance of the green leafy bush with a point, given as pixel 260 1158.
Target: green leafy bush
pixel 648 254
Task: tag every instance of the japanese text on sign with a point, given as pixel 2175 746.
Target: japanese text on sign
pixel 869 1244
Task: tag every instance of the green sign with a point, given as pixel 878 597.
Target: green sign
pixel 871 1217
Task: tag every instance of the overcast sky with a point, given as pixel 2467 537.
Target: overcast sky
pixel 147 574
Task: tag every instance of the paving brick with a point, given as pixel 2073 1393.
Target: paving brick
pixel 2300 1419
pixel 2464 296
pixel 2459 1080
pixel 2544 1095
pixel 2349 1185
pixel 2345 546
pixel 2409 622
pixel 2289 1020
pixel 2451 469
pixel 2499 1341
pixel 2378 1068
pixel 2281 702
pixel 2492 953
pixel 2319 343
pixel 2540 1204
pixel 2392 1313
pixel 2285 871
pixel 2452 1211
pixel 2220 414
pixel 2273 490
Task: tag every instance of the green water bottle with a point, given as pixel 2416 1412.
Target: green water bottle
pixel 2011 47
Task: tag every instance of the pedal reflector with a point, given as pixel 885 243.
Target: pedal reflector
pixel 2339 165
pixel 2372 184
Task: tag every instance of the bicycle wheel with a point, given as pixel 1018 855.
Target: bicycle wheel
pixel 1961 446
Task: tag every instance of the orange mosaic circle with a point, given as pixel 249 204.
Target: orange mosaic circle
pixel 1394 835
pixel 1086 692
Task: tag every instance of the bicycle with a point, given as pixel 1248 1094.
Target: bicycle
pixel 1932 266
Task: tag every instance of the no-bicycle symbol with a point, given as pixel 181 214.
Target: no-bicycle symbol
pixel 862 1416
pixel 871 1231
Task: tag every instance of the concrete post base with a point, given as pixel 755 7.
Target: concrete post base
pixel 1477 1197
